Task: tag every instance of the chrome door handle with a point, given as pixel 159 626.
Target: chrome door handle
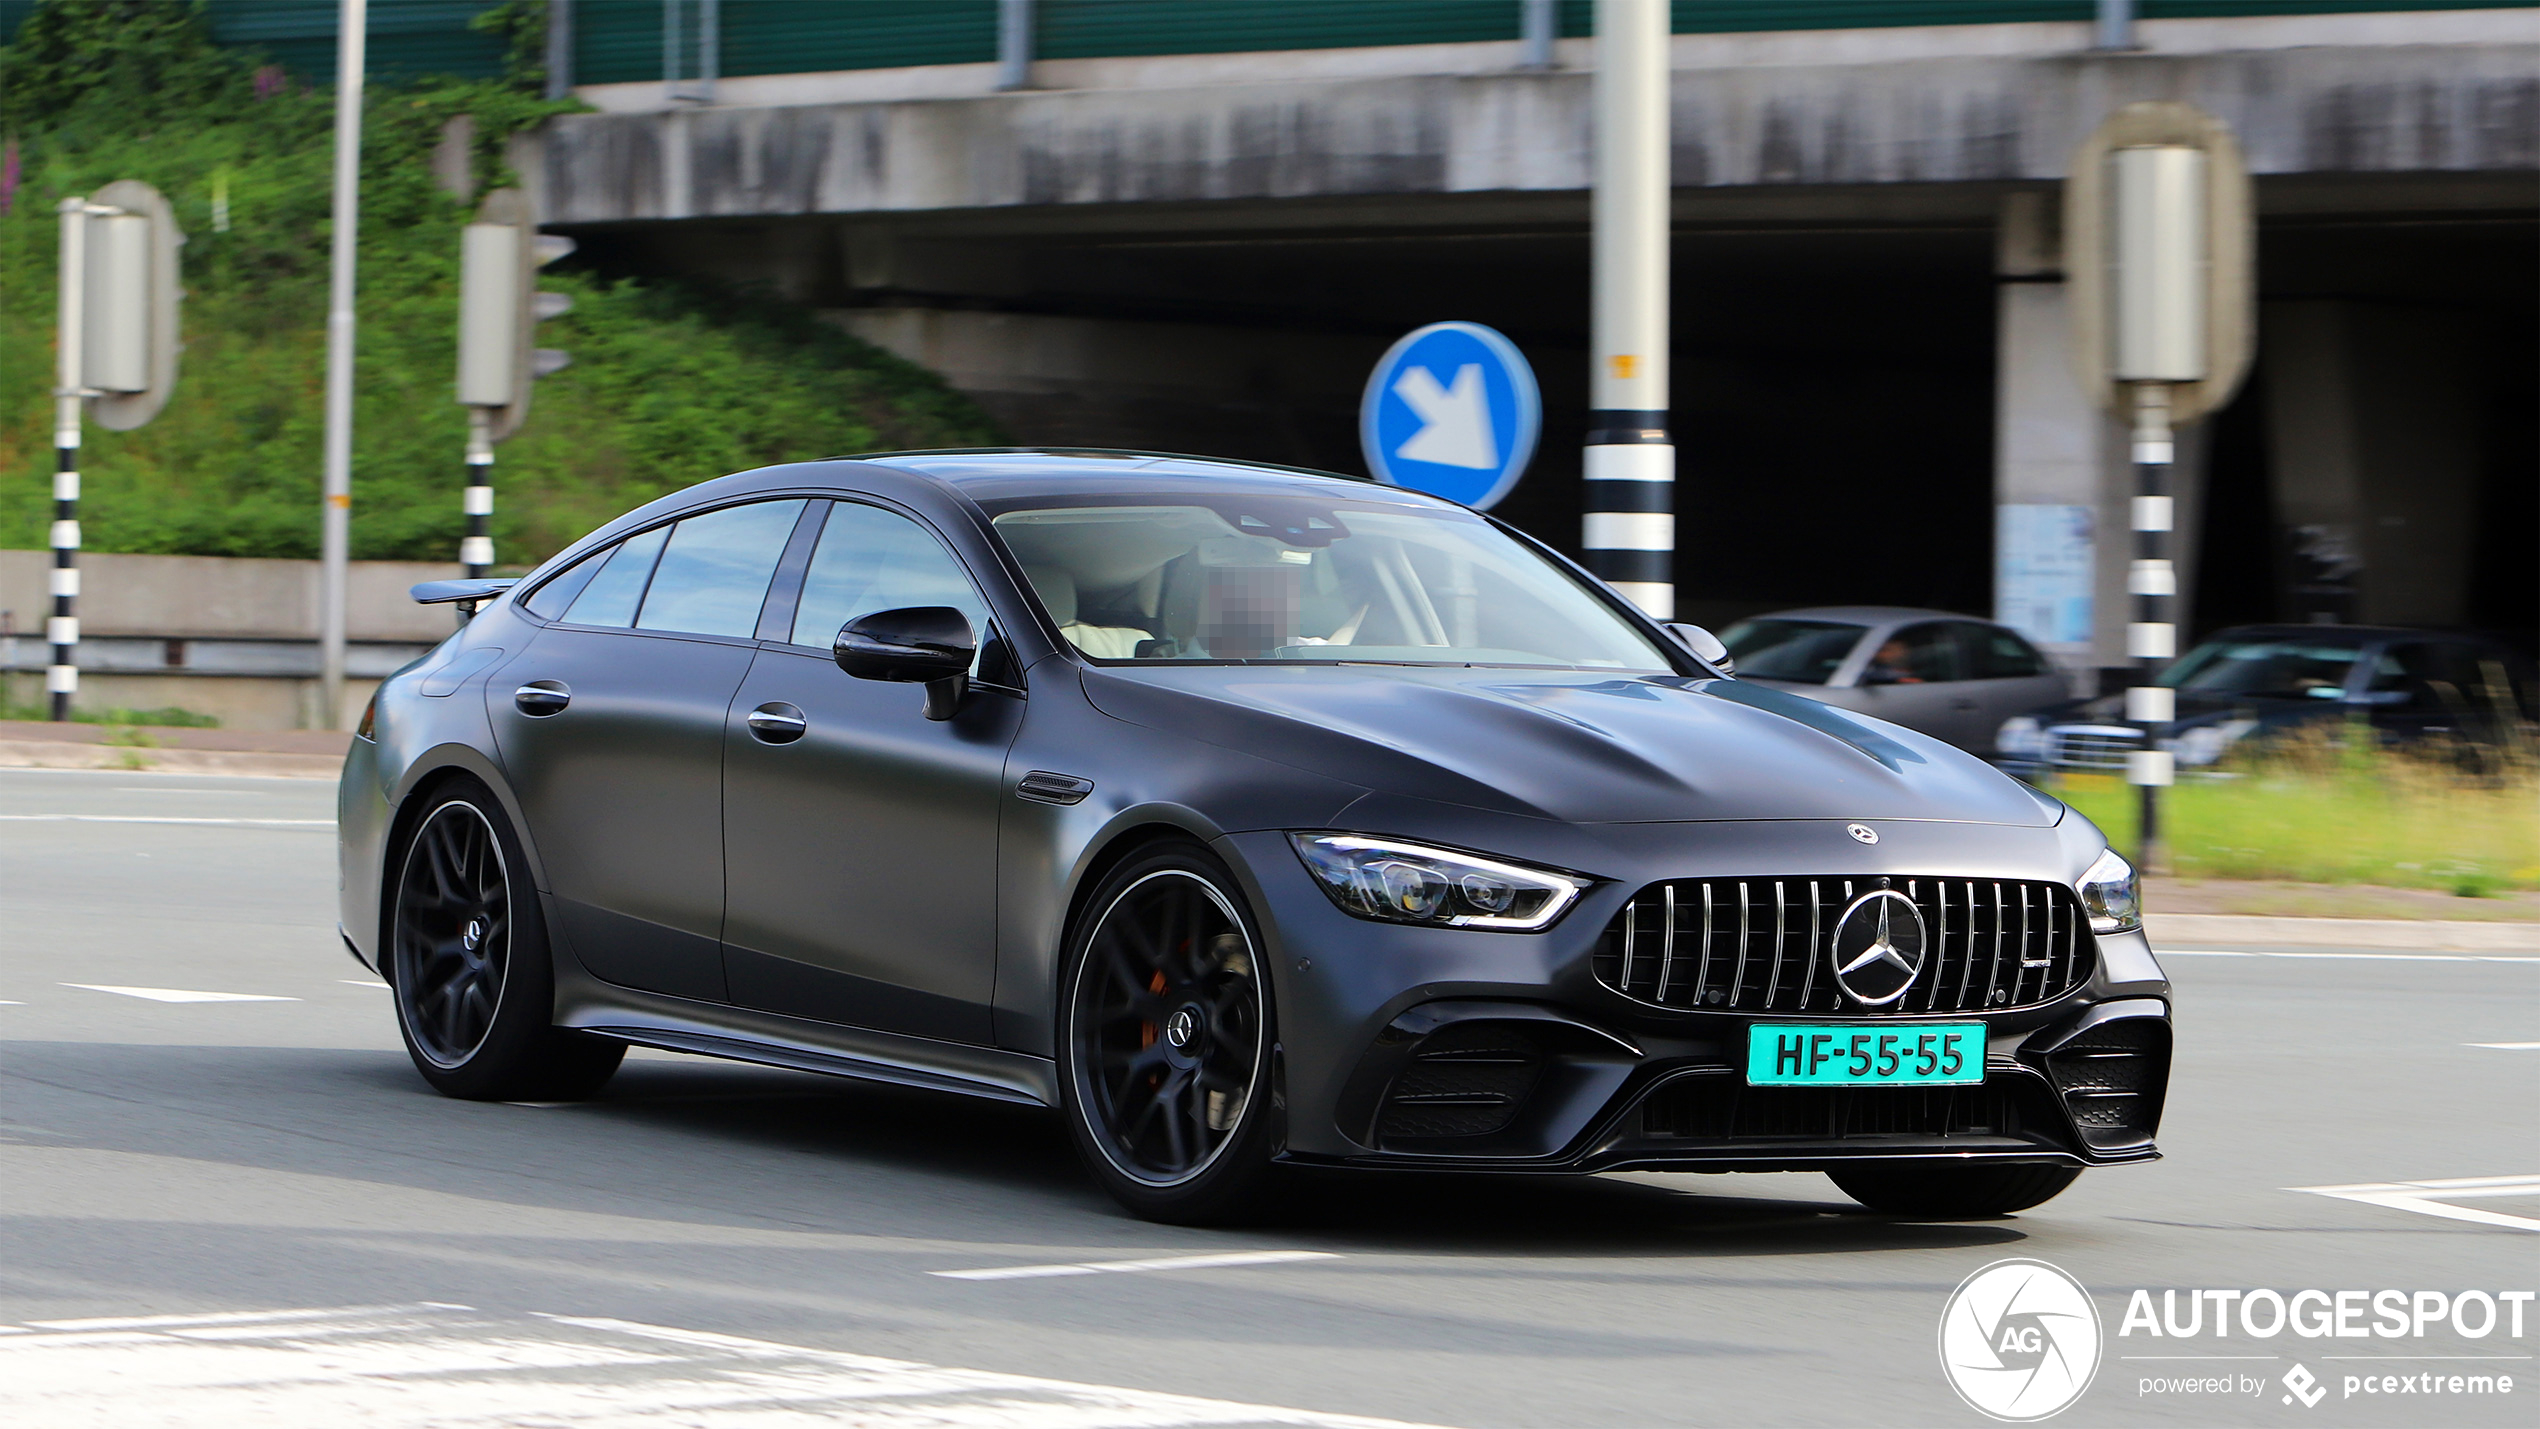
pixel 777 722
pixel 539 698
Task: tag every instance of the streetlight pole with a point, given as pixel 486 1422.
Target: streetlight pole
pixel 1629 531
pixel 335 518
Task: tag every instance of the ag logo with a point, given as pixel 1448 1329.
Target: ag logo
pixel 2019 1340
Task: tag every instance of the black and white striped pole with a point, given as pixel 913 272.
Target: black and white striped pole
pixel 116 346
pixel 1628 536
pixel 61 631
pixel 2157 193
pixel 499 256
pixel 476 548
pixel 2160 264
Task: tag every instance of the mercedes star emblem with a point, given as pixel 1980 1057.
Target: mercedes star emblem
pixel 1878 947
pixel 1180 1028
pixel 1862 833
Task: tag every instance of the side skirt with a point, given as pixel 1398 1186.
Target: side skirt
pixel 714 1030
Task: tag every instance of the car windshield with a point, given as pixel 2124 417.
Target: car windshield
pixel 2290 668
pixel 1804 652
pixel 1224 577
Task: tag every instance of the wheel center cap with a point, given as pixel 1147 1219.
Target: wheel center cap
pixel 474 935
pixel 1181 1029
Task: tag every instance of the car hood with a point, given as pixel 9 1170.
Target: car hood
pixel 1572 745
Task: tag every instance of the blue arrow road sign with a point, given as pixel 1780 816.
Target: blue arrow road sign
pixel 1452 411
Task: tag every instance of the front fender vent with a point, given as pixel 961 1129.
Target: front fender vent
pixel 1764 945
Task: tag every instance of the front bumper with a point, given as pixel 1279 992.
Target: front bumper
pixel 1422 1047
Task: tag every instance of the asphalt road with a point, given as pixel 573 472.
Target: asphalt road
pixel 214 1207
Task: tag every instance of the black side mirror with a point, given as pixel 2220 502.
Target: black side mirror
pixel 930 645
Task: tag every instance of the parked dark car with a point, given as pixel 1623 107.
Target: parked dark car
pixel 1247 817
pixel 1953 677
pixel 2260 681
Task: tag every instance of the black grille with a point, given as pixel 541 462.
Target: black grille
pixel 2113 1078
pixel 1761 944
pixel 1468 1079
pixel 1724 1108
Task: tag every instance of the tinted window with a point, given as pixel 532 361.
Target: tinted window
pixel 613 594
pixel 1805 652
pixel 549 601
pixel 2432 677
pixel 1994 653
pixel 713 577
pixel 870 559
pixel 1916 655
pixel 2289 667
pixel 1205 575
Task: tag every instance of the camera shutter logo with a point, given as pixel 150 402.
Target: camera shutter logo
pixel 2019 1340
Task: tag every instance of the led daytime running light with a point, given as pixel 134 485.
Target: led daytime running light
pixel 1394 882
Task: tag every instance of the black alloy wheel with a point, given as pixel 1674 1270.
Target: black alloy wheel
pixel 1166 1040
pixel 453 932
pixel 468 963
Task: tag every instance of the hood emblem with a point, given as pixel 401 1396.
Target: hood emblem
pixel 1878 947
pixel 1862 833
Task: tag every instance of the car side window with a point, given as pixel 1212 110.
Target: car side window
pixel 1995 653
pixel 870 559
pixel 1925 654
pixel 550 600
pixel 611 597
pixel 2429 676
pixel 713 575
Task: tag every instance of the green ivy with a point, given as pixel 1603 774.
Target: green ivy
pixel 670 384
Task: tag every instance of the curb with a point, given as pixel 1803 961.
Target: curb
pixel 2426 935
pixel 131 759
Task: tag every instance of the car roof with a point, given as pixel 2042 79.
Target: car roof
pixel 1868 614
pixel 2341 633
pixel 1000 473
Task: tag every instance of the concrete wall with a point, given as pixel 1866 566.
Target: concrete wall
pixel 228 637
pixel 2316 108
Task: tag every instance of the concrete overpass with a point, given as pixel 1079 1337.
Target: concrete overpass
pixel 1206 253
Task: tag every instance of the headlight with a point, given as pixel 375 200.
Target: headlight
pixel 2020 735
pixel 1410 883
pixel 2111 894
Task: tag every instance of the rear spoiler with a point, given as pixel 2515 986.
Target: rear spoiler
pixel 467 593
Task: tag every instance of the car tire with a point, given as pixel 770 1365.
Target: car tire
pixel 1953 1193
pixel 467 961
pixel 1165 1040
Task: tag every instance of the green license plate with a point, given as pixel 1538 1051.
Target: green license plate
pixel 1927 1054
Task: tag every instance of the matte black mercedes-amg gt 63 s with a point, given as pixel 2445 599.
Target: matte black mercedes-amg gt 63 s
pixel 1247 816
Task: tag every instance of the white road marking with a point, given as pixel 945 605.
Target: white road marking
pixel 361 982
pixel 1128 1267
pixel 2506 1046
pixel 10 1002
pixel 413 1366
pixel 2367 957
pixel 2429 1197
pixel 165 819
pixel 177 994
pixel 157 789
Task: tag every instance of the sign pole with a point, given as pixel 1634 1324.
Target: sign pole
pixel 2152 638
pixel 1628 535
pixel 61 678
pixel 335 518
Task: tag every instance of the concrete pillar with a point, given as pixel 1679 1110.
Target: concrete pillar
pixel 2372 435
pixel 2061 474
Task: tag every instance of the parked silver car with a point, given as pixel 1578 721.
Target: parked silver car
pixel 1953 677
